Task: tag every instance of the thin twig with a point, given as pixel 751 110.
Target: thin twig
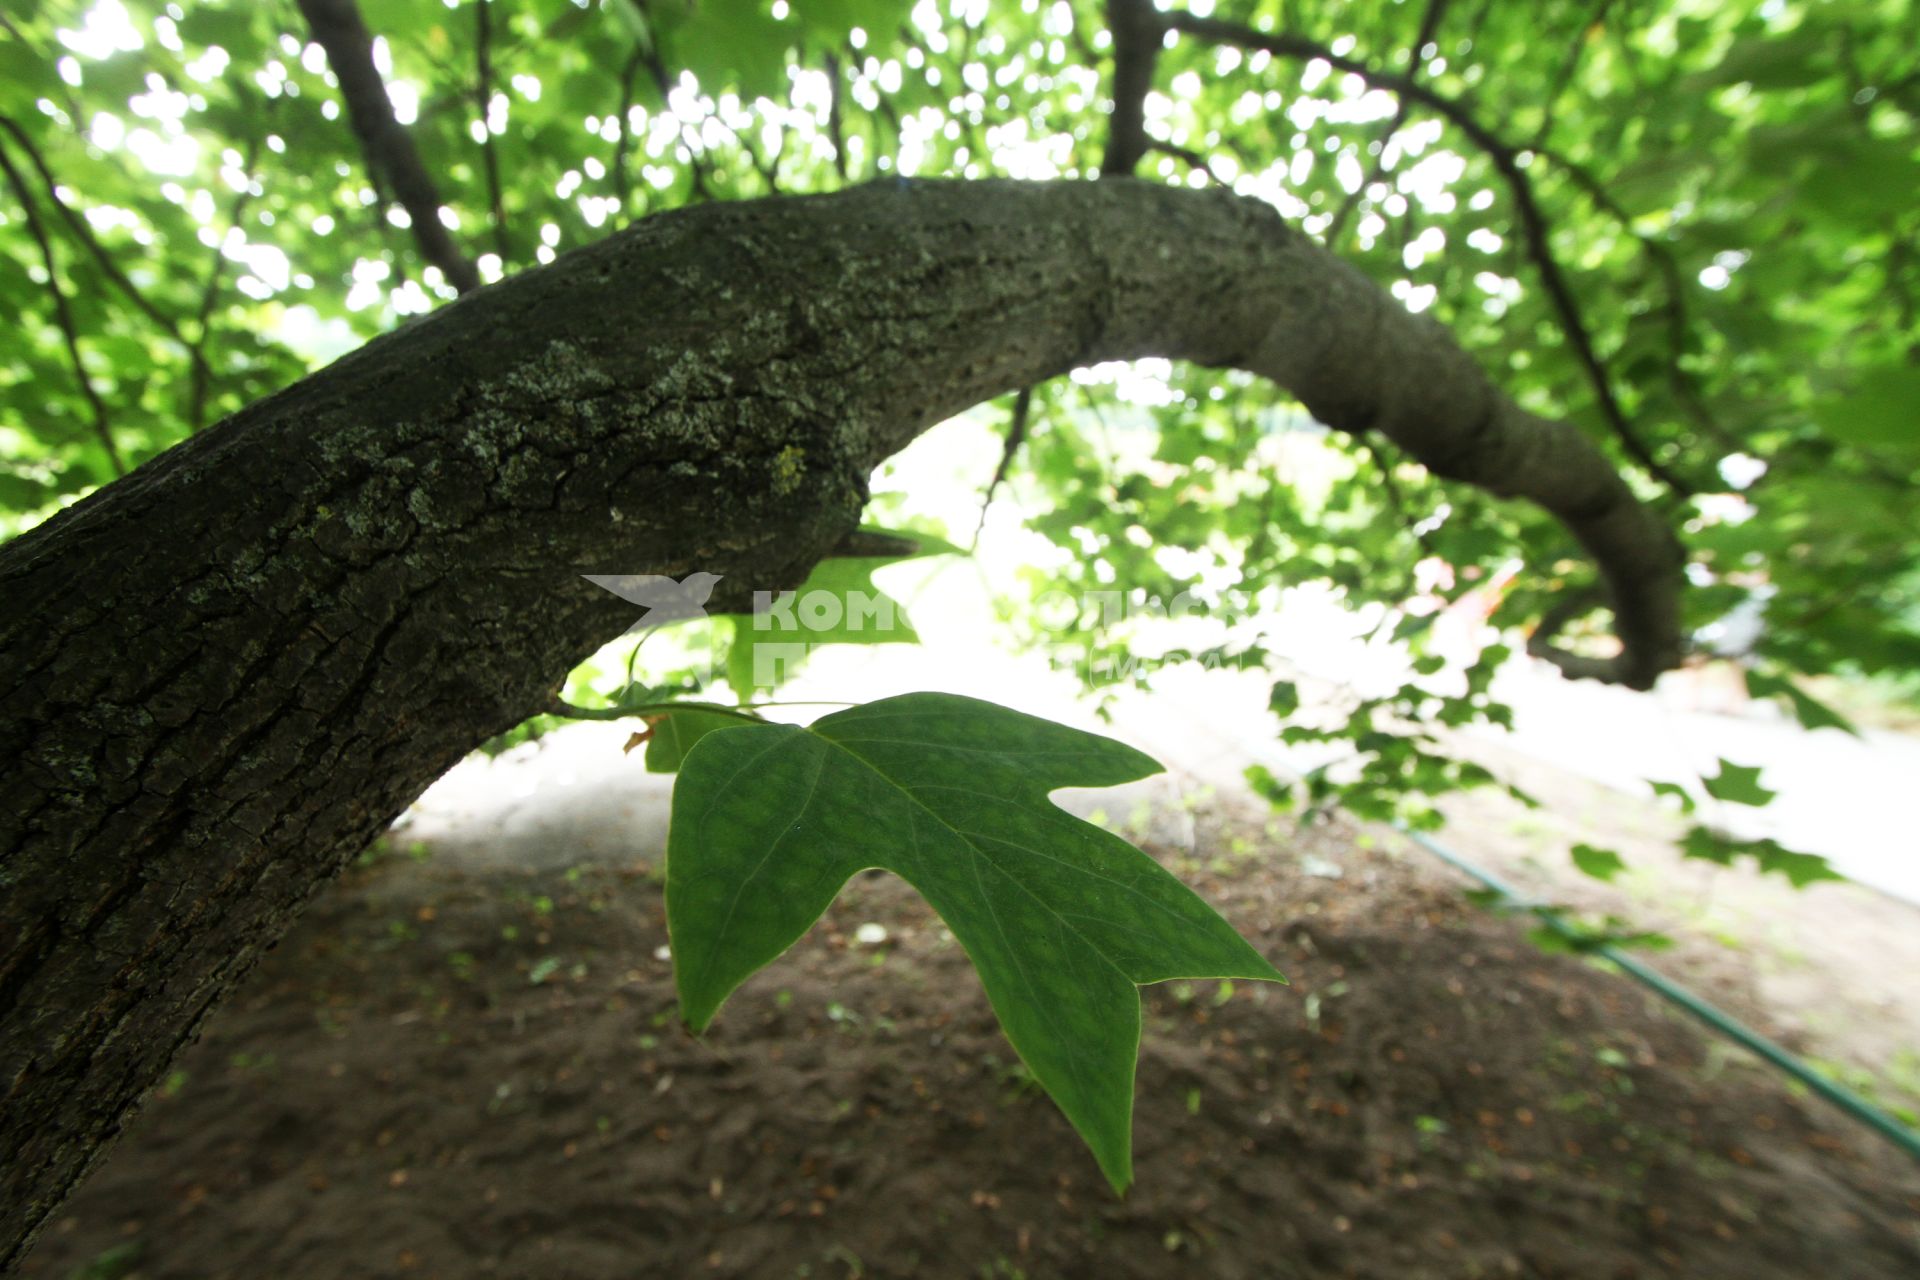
pixel 102 425
pixel 663 80
pixel 892 118
pixel 1187 155
pixel 835 128
pixel 1016 436
pixel 1568 65
pixel 617 172
pixel 779 152
pixel 75 116
pixel 103 259
pixel 769 171
pixel 1679 323
pixel 1506 159
pixel 1378 452
pixel 77 223
pixel 483 66
pixel 388 148
pixel 210 293
pixel 1566 609
pixel 1416 62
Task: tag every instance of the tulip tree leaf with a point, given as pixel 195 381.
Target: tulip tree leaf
pixel 1601 864
pixel 1807 709
pixel 1800 869
pixel 1063 921
pixel 1738 784
pixel 1680 794
pixel 675 733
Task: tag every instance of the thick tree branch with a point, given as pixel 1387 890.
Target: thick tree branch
pixel 1505 159
pixel 387 146
pixel 223 675
pixel 1567 609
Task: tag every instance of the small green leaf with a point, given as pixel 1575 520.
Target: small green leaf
pixel 1678 792
pixel 1601 864
pixel 1285 698
pixel 1800 869
pixel 1063 921
pixel 1738 784
pixel 674 735
pixel 1808 710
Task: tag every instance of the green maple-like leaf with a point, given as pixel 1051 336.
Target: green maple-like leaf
pixel 1680 794
pixel 1062 920
pixel 1807 709
pixel 1601 864
pixel 1738 784
pixel 1800 869
pixel 675 734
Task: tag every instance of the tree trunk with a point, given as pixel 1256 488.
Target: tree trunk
pixel 225 674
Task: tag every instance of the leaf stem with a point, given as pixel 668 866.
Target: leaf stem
pixel 561 707
pixel 745 711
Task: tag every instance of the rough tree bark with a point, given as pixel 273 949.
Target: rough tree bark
pixel 226 673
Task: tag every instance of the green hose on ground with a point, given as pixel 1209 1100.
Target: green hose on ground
pixel 1838 1094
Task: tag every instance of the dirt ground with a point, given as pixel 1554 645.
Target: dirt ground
pixel 448 1072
